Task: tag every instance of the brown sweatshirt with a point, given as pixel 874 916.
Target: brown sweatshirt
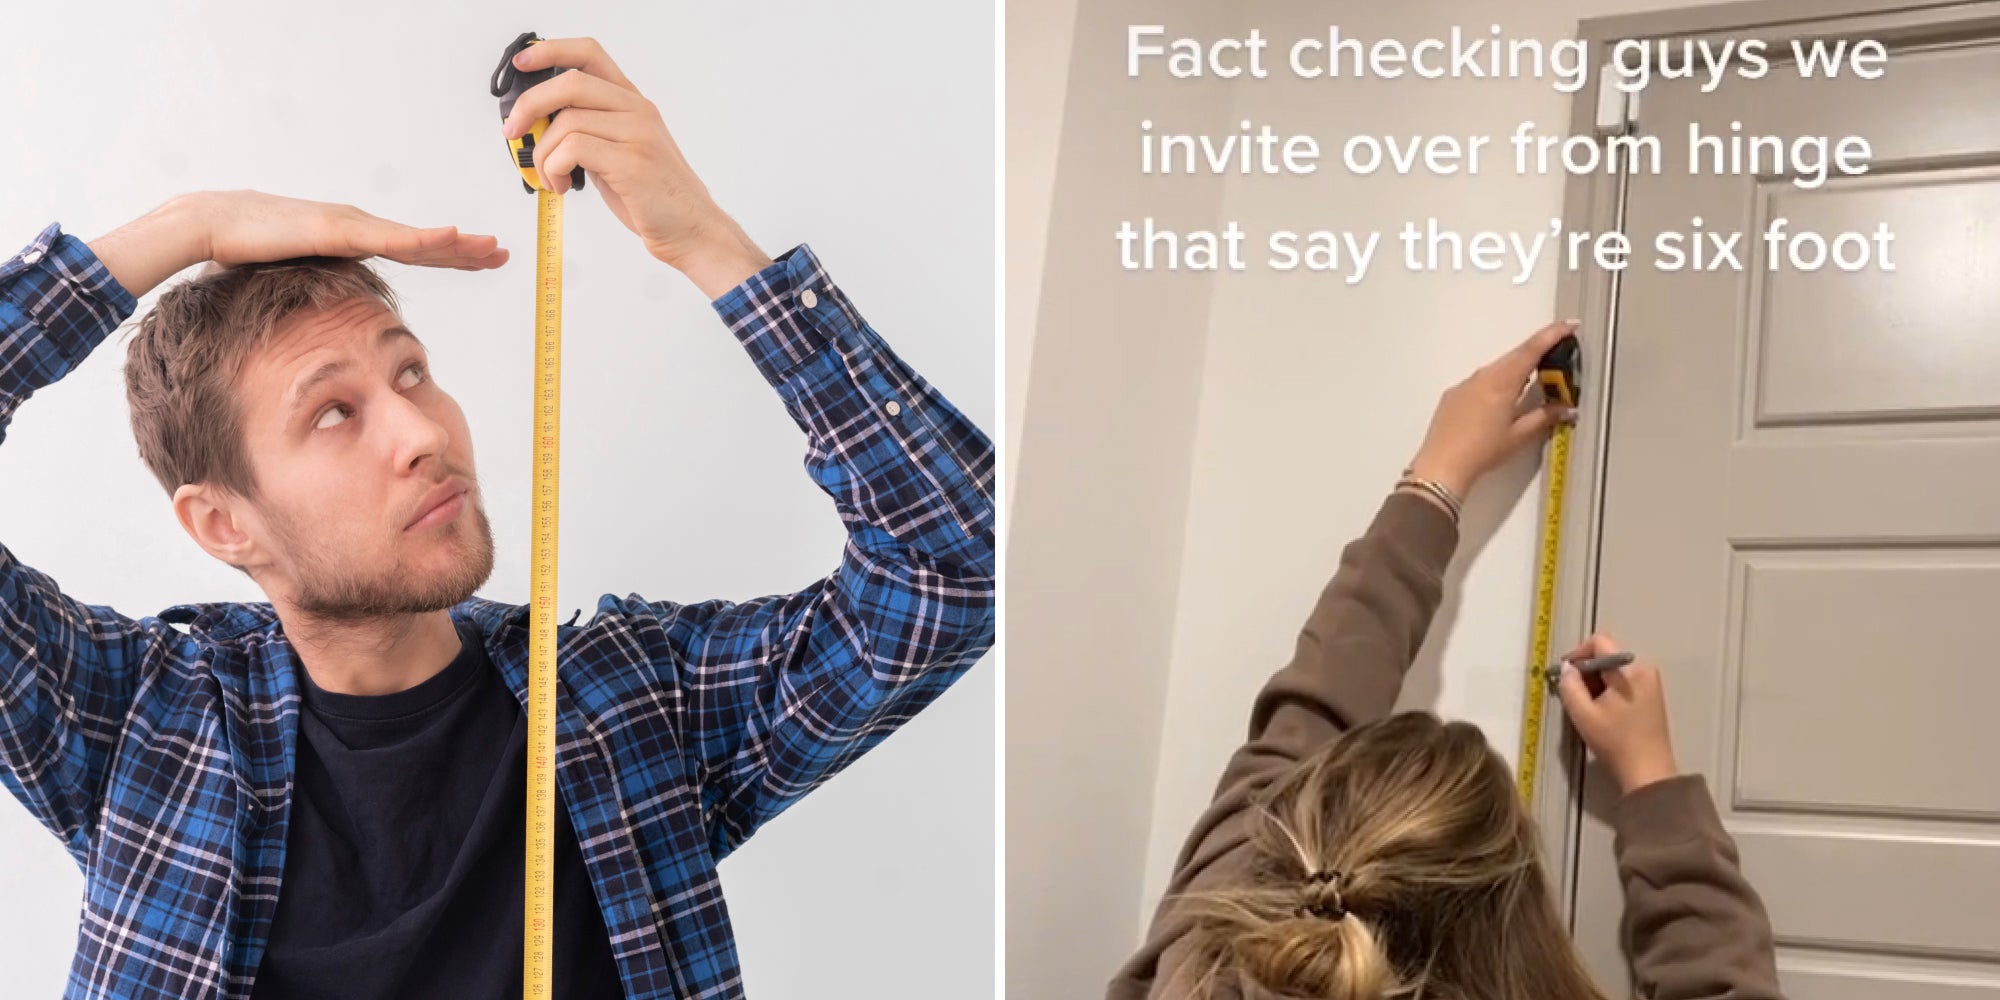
pixel 1695 929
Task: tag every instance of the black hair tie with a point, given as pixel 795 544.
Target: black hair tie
pixel 1336 909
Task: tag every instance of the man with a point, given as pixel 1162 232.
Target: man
pixel 323 795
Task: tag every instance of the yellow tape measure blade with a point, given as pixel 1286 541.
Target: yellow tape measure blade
pixel 1560 373
pixel 538 931
pixel 1535 698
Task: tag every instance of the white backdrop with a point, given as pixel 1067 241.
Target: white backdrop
pixel 865 130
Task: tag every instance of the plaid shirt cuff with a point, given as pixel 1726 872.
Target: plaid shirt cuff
pixel 787 313
pixel 57 302
pixel 71 260
pixel 852 395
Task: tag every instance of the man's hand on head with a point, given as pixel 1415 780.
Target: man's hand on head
pixel 227 228
pixel 248 227
pixel 618 136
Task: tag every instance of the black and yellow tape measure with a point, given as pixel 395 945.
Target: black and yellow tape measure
pixel 538 932
pixel 508 84
pixel 1559 373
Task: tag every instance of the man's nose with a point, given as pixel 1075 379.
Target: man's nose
pixel 417 434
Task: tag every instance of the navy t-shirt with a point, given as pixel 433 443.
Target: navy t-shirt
pixel 403 867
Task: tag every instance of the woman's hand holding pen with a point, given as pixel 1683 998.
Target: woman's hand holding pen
pixel 1624 723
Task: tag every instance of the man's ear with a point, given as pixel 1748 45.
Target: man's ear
pixel 212 517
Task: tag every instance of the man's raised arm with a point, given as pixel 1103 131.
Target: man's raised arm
pixel 67 669
pixel 771 697
pixel 775 696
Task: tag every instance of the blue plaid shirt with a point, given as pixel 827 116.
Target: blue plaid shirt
pixel 162 756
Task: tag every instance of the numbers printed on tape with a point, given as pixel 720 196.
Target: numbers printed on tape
pixel 540 876
pixel 1535 702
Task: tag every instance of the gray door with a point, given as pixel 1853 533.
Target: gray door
pixel 1801 522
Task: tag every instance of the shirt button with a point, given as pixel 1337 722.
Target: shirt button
pixel 31 256
pixel 894 407
pixel 811 301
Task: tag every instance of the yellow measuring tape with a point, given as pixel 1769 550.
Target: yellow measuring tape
pixel 538 911
pixel 1537 695
pixel 1558 373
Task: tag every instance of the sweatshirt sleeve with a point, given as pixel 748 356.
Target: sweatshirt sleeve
pixel 1347 669
pixel 1693 926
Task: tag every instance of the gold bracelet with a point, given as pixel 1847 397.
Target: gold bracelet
pixel 1452 505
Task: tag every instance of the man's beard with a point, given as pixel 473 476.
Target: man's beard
pixel 329 593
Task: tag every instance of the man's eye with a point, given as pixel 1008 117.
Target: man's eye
pixel 324 423
pixel 411 380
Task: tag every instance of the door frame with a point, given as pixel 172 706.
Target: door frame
pixel 1594 202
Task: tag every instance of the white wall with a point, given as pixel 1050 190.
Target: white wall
pixel 1039 37
pixel 866 130
pixel 1097 518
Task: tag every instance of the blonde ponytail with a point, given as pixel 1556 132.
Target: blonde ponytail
pixel 1314 957
pixel 1397 864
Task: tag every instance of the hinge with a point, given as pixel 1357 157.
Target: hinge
pixel 1617 109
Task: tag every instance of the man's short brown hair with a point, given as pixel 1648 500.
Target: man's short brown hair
pixel 182 365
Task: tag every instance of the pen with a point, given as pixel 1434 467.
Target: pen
pixel 1593 665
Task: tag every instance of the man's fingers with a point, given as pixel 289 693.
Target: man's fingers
pixel 615 126
pixel 481 252
pixel 468 262
pixel 370 234
pixel 449 241
pixel 462 252
pixel 486 263
pixel 574 89
pixel 578 149
pixel 409 239
pixel 443 246
pixel 444 241
pixel 578 53
pixel 460 261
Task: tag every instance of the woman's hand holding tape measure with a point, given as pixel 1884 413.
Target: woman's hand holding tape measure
pixel 1478 424
pixel 604 125
pixel 1620 713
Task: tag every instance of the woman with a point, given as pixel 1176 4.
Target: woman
pixel 1355 855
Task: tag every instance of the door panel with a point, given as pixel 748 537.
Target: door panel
pixel 1800 521
pixel 1826 704
pixel 1823 984
pixel 1917 343
pixel 1920 893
